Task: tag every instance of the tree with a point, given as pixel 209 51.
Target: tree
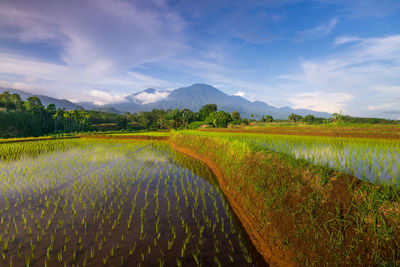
pixel 236 117
pixel 122 122
pixel 17 101
pixel 58 117
pixel 294 117
pixel 338 117
pixel 33 104
pixel 51 108
pixel 5 101
pixel 188 116
pixel 206 110
pixel 309 119
pixel 219 119
pixel 268 118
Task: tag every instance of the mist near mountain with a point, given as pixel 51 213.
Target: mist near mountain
pixel 195 96
pixel 191 97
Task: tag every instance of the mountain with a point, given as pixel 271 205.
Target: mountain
pixel 147 96
pixel 195 96
pixel 60 103
pixel 192 97
pixel 107 110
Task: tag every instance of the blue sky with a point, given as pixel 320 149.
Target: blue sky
pixel 324 55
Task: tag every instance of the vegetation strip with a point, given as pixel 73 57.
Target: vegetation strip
pixel 19 140
pixel 129 137
pixel 314 215
pixel 271 255
pixel 382 132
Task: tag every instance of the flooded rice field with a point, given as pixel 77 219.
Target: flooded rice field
pixel 368 159
pixel 115 203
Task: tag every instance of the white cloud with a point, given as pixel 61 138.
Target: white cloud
pixel 147 98
pixel 97 42
pixel 318 31
pixel 320 101
pixel 346 39
pixel 368 70
pixel 16 85
pixel 102 98
pixel 89 33
pixel 240 93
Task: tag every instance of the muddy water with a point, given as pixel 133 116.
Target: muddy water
pixel 118 203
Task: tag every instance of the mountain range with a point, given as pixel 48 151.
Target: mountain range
pixel 60 103
pixel 192 97
pixel 195 96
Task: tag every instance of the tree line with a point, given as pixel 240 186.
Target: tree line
pixel 20 118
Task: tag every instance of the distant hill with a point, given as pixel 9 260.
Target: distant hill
pixel 107 110
pixel 192 97
pixel 195 96
pixel 60 103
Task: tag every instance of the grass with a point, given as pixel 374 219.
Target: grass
pixel 318 216
pixel 376 160
pixel 307 205
pixel 378 131
pixel 142 134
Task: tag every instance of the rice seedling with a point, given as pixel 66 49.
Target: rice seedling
pixel 116 195
pixel 376 160
pixel 293 177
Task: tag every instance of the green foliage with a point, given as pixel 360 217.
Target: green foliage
pixel 309 119
pixel 196 124
pixel 30 118
pixel 206 110
pixel 294 117
pixel 236 117
pixel 219 119
pixel 269 118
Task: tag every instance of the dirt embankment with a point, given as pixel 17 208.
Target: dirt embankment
pixel 300 214
pixel 128 137
pixel 271 254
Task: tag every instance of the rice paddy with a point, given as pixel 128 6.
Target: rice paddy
pixel 311 214
pixel 375 160
pixel 88 202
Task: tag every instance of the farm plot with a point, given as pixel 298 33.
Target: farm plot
pixel 374 160
pixel 115 203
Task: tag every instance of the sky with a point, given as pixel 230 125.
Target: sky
pixel 324 55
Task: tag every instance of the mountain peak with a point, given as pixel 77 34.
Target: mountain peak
pixel 147 96
pixel 149 90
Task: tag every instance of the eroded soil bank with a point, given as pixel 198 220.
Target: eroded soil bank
pixel 272 255
pixel 301 214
